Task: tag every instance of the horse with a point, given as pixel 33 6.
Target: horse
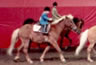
pixel 25 33
pixel 79 23
pixel 87 35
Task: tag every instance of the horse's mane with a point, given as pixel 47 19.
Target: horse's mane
pixel 76 20
pixel 29 21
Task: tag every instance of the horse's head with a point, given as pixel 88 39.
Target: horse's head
pixel 70 24
pixel 79 23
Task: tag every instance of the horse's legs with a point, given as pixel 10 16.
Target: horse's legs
pixel 55 45
pixel 61 41
pixel 89 49
pixel 94 51
pixel 18 52
pixel 43 54
pixel 62 38
pixel 29 45
pixel 25 50
pixel 70 40
pixel 29 48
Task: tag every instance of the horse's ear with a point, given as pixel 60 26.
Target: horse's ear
pixel 76 20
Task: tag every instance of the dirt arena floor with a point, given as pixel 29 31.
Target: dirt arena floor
pixel 51 58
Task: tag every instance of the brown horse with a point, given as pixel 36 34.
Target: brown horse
pixel 26 33
pixel 79 23
pixel 90 35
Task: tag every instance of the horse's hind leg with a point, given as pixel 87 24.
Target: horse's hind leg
pixel 43 54
pixel 61 40
pixel 18 52
pixel 89 49
pixel 25 50
pixel 29 48
pixel 94 51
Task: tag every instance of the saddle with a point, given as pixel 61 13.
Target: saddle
pixel 39 28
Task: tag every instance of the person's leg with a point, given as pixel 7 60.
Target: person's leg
pixel 45 28
pixel 58 20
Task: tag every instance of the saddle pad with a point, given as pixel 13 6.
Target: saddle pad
pixel 36 28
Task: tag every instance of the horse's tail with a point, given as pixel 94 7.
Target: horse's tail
pixel 83 40
pixel 14 39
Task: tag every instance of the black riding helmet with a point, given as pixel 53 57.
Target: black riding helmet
pixel 46 9
pixel 55 4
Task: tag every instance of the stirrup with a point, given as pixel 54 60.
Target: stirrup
pixel 45 33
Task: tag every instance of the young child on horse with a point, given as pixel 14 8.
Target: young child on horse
pixel 44 19
pixel 55 14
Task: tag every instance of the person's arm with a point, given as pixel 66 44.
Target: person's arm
pixel 47 18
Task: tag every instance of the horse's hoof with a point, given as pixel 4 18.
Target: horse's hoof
pixel 41 60
pixel 76 54
pixel 63 61
pixel 16 59
pixel 90 60
pixel 31 62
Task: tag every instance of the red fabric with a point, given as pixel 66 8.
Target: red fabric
pixel 43 3
pixel 12 16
